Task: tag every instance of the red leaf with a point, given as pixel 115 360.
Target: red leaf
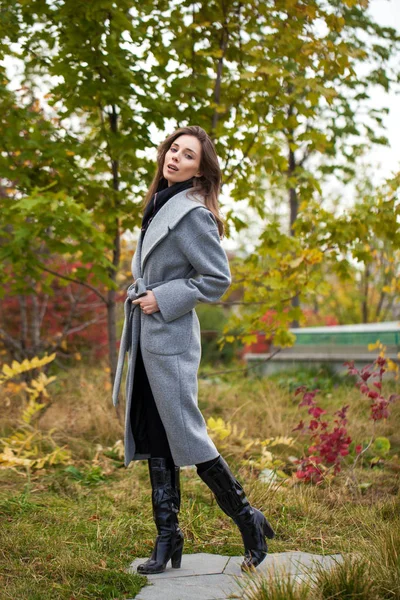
pixel 300 390
pixel 316 411
pixel 342 412
pixel 299 427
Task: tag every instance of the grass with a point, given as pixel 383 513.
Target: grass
pixel 60 547
pixel 69 533
pixel 372 573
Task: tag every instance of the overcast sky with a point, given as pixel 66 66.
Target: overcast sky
pixel 387 12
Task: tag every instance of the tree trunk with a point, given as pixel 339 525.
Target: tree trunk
pixel 111 295
pixel 365 312
pixel 294 208
pixel 218 80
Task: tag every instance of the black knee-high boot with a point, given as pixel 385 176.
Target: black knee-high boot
pixel 251 522
pixel 166 501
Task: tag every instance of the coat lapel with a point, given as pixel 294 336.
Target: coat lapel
pixel 167 218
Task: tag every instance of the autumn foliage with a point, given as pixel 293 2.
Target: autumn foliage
pixel 330 442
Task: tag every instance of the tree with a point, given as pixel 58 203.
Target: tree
pixel 89 54
pixel 283 87
pixel 40 221
pixel 361 252
pixel 275 82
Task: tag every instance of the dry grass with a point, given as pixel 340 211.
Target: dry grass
pixel 92 529
pixel 82 406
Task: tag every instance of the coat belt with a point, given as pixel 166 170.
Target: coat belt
pixel 134 291
pixel 139 289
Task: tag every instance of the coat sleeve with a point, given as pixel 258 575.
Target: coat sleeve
pixel 199 241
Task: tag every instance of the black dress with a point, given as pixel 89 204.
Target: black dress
pixel 147 427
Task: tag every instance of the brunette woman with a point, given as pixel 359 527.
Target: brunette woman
pixel 179 262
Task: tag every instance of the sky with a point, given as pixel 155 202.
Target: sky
pixel 387 12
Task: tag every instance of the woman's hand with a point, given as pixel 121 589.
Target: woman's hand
pixel 148 303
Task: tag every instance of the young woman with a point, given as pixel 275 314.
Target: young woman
pixel 179 261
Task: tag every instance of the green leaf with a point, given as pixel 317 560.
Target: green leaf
pixel 381 446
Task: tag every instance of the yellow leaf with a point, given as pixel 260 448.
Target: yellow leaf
pixel 296 262
pixel 266 454
pixel 374 346
pixel 15 366
pixel 281 474
pixel 282 440
pixel 266 442
pixel 248 446
pixel 7 371
pixel 249 339
pixel 314 256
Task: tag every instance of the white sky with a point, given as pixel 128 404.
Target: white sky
pixel 387 13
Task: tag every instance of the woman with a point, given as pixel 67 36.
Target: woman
pixel 179 261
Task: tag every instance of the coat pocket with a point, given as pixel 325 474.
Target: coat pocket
pixel 159 337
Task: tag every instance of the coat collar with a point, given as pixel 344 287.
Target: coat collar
pixel 167 218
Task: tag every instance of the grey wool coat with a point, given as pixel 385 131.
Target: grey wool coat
pixel 183 262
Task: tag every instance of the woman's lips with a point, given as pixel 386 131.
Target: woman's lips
pixel 172 168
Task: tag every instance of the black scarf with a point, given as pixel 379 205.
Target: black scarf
pixel 162 195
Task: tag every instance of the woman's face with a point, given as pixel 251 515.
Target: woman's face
pixel 182 160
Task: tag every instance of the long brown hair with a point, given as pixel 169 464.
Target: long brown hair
pixel 208 185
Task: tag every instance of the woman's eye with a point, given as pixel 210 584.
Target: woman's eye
pixel 175 150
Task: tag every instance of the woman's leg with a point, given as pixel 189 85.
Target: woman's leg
pixel 166 493
pixel 166 502
pixel 203 466
pixel 231 498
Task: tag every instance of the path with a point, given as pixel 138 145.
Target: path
pixel 213 577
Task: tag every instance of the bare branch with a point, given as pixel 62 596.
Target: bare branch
pixel 90 287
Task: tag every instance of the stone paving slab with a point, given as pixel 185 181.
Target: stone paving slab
pixel 192 564
pixel 293 564
pixel 214 577
pixel 197 587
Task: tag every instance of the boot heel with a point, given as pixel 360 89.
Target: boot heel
pixel 268 531
pixel 176 558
